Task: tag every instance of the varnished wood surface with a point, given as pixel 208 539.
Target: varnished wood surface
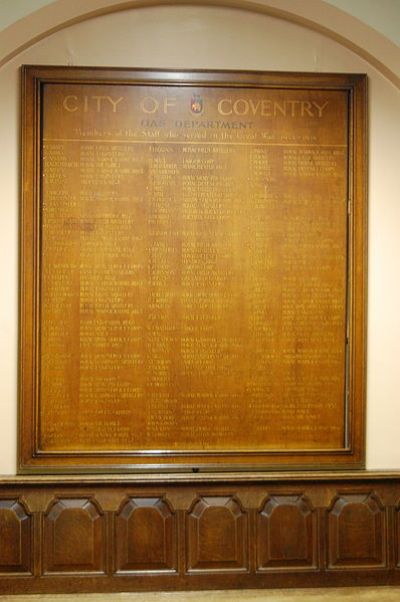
pixel 69 536
pixel 193 270
pixel 185 477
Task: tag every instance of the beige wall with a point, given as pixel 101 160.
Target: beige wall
pixel 382 15
pixel 12 10
pixel 201 37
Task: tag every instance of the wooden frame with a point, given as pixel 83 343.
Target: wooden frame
pixel 38 452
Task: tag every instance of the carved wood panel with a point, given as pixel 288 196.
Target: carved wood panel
pixel 146 536
pixel 286 533
pixel 74 537
pixel 15 537
pixel 217 535
pixel 356 532
pixel 114 534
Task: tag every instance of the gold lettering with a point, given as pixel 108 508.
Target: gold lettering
pixel 254 105
pixel 241 106
pixel 149 104
pixel 72 103
pixel 293 104
pixel 320 108
pixel 98 100
pixel 169 102
pixel 280 108
pixel 66 104
pixel 115 102
pixel 268 108
pixel 306 108
pixel 220 107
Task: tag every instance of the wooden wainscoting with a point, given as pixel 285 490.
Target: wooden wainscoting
pixel 203 531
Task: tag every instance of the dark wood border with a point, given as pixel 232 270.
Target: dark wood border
pixel 30 457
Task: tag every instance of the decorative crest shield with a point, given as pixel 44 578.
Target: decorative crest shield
pixel 196 104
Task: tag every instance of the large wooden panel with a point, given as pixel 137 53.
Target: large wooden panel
pixel 15 537
pixel 287 534
pixel 74 537
pixel 193 269
pixel 146 536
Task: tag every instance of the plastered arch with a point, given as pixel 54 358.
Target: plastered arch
pixel 316 15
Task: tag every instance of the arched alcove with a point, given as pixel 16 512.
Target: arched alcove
pixel 265 35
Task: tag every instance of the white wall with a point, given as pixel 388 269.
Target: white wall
pixel 205 37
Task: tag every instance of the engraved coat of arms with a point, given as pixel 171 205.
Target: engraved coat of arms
pixel 196 104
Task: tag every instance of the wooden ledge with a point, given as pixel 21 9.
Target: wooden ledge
pixel 201 477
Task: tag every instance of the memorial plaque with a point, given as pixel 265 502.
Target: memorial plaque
pixel 192 270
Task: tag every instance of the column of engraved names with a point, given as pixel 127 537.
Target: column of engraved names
pixel 112 276
pixel 314 294
pixel 163 273
pixel 59 282
pixel 210 327
pixel 264 227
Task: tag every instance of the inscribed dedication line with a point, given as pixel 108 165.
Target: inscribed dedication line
pixel 194 269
